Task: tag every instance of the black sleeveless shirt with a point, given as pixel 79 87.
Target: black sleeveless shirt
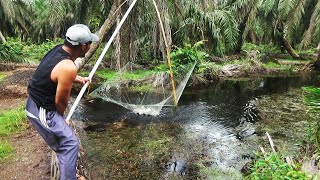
pixel 41 88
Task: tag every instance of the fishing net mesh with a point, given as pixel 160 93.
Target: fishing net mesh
pixel 144 95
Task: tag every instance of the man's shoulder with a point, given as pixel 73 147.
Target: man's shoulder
pixel 67 65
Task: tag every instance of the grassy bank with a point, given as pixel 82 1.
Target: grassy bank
pixel 11 122
pixel 271 165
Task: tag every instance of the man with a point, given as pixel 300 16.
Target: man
pixel 49 91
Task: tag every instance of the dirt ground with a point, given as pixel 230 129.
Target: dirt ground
pixel 31 159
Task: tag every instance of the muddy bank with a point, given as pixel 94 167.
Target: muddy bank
pixel 31 158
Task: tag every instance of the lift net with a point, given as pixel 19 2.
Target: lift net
pixel 145 95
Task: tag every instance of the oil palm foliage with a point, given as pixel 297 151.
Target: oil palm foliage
pixel 9 54
pixel 38 20
pixel 312 33
pixel 207 20
pixel 286 23
pixel 14 17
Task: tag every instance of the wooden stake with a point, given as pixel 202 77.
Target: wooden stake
pixel 271 143
pixel 168 54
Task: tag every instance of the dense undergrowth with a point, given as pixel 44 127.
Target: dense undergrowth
pixel 17 51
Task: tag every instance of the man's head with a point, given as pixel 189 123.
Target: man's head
pixel 79 37
pixel 80 34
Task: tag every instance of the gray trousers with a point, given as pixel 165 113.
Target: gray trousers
pixel 58 135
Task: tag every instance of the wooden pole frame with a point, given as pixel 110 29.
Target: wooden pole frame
pixel 168 54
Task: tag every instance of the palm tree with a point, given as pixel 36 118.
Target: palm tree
pixel 12 17
pixel 106 26
pixel 312 33
pixel 281 20
pixel 245 13
pixel 206 20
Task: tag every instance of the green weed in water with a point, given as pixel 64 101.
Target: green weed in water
pixel 312 100
pixel 312 97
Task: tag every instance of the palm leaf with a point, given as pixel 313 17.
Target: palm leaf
pixel 313 27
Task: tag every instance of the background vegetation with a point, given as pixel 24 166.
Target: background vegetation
pixel 224 26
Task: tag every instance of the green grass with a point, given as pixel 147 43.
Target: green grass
pixel 272 65
pixel 138 74
pixel 112 74
pixel 2 76
pixel 12 121
pixel 6 150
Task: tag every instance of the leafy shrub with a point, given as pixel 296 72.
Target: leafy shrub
pixel 273 166
pixel 181 58
pixel 35 52
pixel 15 50
pixel 188 54
pixel 9 53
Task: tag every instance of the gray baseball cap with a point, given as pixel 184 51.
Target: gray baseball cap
pixel 80 34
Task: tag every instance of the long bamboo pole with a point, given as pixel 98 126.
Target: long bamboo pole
pixel 168 54
pixel 95 67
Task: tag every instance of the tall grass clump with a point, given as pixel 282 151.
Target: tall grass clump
pixel 12 121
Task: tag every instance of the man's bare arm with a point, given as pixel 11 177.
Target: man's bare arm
pixel 64 74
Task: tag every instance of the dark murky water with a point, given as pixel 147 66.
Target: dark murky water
pixel 212 133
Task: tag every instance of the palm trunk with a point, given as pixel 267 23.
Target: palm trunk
pixel 290 50
pixel 102 33
pixel 318 57
pixel 2 38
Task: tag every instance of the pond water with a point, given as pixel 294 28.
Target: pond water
pixel 211 134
